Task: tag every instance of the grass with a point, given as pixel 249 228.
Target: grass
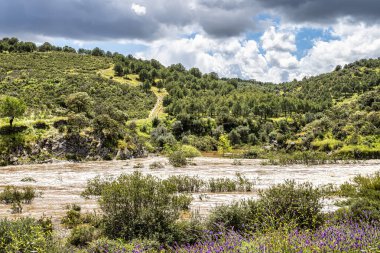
pixel 332 144
pixel 109 73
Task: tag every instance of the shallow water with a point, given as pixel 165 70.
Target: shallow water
pixel 62 183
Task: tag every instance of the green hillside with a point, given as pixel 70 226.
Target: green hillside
pixel 96 105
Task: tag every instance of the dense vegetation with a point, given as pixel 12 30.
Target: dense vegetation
pixel 102 100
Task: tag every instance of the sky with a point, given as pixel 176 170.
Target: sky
pixel 266 40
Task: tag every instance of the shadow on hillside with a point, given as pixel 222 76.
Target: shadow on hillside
pixel 6 130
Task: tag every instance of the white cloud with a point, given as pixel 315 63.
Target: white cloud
pixel 273 39
pixel 355 41
pixel 138 9
pixel 276 62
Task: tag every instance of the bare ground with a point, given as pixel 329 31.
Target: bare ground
pixel 62 183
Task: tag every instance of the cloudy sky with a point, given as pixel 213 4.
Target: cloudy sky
pixel 267 40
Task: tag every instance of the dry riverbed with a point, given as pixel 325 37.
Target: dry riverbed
pixel 62 183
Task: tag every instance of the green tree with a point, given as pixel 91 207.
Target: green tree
pixel 79 102
pixel 11 107
pixel 146 86
pixel 118 69
pixel 224 145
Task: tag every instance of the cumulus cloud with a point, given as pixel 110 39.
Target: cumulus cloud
pixel 241 57
pixel 139 9
pixel 213 35
pixel 324 11
pixel 233 57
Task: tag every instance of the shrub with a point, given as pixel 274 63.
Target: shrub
pixel 235 216
pixel 73 216
pixel 289 202
pixel 15 195
pixel 190 151
pixel 156 165
pixel 138 166
pixel 95 186
pixel 81 235
pixel 185 183
pixel 364 202
pixel 138 206
pixel 28 179
pixel 237 162
pixel 24 235
pixel 280 205
pixel 178 159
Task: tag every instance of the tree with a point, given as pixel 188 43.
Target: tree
pixel 146 86
pixel 224 145
pixel 97 52
pixel 79 102
pixel 144 75
pixel 118 69
pixel 46 47
pixel 11 107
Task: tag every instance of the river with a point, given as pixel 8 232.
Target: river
pixel 62 183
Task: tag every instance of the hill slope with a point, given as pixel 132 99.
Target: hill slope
pixel 97 105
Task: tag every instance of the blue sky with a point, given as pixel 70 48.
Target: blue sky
pixel 265 40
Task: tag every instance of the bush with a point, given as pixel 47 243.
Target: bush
pixel 156 165
pixel 15 195
pixel 24 235
pixel 95 186
pixel 82 235
pixel 364 194
pixel 289 202
pixel 73 216
pixel 138 206
pixel 190 151
pixel 178 159
pixel 235 216
pixel 282 204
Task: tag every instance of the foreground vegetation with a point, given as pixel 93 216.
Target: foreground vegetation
pixel 59 103
pixel 145 214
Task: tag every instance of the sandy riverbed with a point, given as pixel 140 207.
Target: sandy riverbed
pixel 62 183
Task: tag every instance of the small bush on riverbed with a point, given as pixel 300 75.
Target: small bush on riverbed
pixel 18 195
pixel 178 159
pixel 138 206
pixel 156 165
pixel 95 186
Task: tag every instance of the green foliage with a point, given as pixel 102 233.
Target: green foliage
pixel 79 102
pixel 138 206
pixel 224 145
pixel 82 235
pixel 95 186
pixel 11 107
pixel 156 165
pixel 282 204
pixel 24 235
pixel 364 197
pixel 178 159
pixel 13 194
pixel 289 202
pixel 190 151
